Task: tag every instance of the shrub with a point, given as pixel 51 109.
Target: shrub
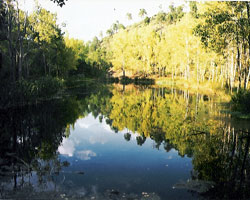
pixel 241 101
pixel 45 87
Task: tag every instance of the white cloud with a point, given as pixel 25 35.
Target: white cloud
pixel 67 147
pixel 94 139
pixel 85 154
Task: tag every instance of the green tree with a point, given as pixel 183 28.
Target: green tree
pixel 142 12
pixel 129 16
pixel 223 30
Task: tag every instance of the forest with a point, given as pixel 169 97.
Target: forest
pixel 209 44
pixel 35 54
pixel 49 81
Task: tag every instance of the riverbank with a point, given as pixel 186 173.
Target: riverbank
pixel 206 87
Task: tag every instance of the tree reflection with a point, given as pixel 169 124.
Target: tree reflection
pixel 224 159
pixel 127 136
pixel 30 137
pixel 192 124
pixel 140 140
pixel 165 116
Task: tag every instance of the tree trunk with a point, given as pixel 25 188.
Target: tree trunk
pixel 197 67
pixel 20 63
pixel 21 49
pixel 248 17
pixel 172 71
pixel 232 72
pixel 10 43
pixel 123 73
pixel 44 64
pixel 187 66
pixel 238 59
pixel 1 60
pixel 212 64
pixel 247 79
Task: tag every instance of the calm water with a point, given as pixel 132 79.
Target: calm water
pixel 137 143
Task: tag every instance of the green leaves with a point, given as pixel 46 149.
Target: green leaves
pixel 44 24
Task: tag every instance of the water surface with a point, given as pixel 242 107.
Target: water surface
pixel 118 143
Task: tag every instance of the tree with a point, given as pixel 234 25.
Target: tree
pixel 175 14
pixel 224 30
pixel 16 22
pixel 110 32
pixel 45 32
pixel 59 2
pixel 161 17
pixel 115 26
pixel 3 30
pixel 142 12
pixel 127 136
pixel 120 51
pixel 193 8
pixel 129 16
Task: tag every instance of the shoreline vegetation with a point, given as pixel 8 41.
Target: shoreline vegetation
pixel 206 49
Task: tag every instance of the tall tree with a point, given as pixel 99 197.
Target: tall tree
pixel 224 30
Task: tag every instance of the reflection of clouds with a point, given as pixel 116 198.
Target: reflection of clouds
pixel 87 122
pixel 89 131
pixel 67 147
pixel 94 140
pixel 82 124
pixel 106 127
pixel 85 154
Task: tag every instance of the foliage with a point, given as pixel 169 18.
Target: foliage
pixel 240 101
pixel 142 12
pixel 41 88
pixel 34 44
pixel 209 43
pixel 36 57
pixel 129 16
pixel 155 50
pixel 223 29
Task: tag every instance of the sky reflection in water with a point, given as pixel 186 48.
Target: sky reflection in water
pixel 110 162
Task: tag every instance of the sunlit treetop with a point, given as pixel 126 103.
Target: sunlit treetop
pixel 59 2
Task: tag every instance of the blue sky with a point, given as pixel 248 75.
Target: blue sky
pixel 85 19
